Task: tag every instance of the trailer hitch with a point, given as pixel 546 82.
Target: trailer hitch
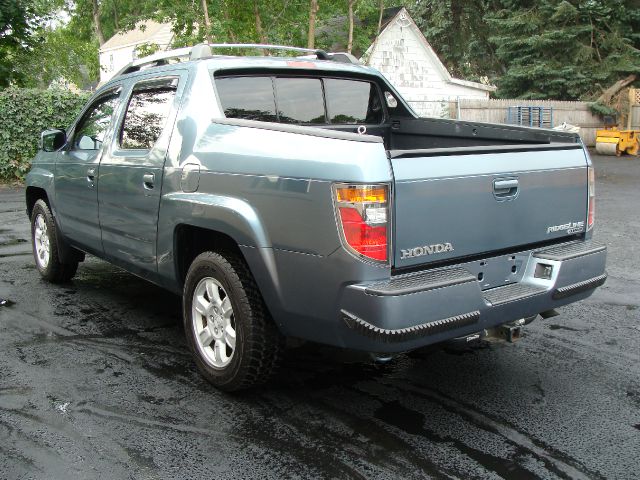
pixel 511 332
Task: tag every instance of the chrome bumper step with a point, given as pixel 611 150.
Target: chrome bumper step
pixel 421 282
pixel 511 293
pixel 570 251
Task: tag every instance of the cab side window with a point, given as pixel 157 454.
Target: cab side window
pixel 250 98
pixel 147 114
pixel 93 126
pixel 300 101
pixel 352 101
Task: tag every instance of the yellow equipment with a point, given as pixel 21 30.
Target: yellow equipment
pixel 611 141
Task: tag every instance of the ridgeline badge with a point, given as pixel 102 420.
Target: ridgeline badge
pixel 571 227
pixel 426 250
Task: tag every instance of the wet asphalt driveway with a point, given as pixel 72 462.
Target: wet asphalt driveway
pixel 96 382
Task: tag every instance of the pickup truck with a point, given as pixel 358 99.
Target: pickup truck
pixel 300 196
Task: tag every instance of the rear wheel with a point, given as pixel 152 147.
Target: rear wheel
pixel 228 328
pixel 45 246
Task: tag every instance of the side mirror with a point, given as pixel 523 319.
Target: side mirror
pixel 52 140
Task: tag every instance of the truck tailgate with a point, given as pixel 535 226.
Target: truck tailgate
pixel 461 202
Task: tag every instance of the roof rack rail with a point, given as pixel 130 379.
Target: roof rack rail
pixel 321 54
pixel 203 50
pixel 156 59
pixel 342 57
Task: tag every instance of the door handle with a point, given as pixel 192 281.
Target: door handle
pixel 91 176
pixel 148 181
pixel 505 188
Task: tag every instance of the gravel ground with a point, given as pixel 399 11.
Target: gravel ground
pixel 96 382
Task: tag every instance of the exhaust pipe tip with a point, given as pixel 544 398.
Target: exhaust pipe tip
pixel 381 358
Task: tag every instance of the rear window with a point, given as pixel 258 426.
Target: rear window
pixel 300 100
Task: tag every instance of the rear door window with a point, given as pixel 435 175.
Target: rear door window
pixel 300 101
pixel 352 101
pixel 250 98
pixel 147 114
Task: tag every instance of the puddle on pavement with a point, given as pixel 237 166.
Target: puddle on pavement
pixel 6 303
pixel 12 242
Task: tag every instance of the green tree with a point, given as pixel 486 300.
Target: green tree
pixel 19 22
pixel 459 33
pixel 61 55
pixel 564 49
pixel 69 49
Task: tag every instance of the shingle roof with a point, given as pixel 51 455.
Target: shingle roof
pixel 393 13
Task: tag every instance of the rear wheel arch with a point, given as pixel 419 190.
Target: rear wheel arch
pixel 189 241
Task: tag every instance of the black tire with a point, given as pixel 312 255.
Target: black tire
pixel 53 270
pixel 258 343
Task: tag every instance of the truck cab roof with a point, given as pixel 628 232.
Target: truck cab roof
pixel 203 54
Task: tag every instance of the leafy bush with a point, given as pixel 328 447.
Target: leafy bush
pixel 24 113
pixel 602 110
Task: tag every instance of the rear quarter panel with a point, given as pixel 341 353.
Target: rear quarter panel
pixel 271 192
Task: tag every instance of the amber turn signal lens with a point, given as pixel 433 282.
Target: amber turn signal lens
pixel 362 194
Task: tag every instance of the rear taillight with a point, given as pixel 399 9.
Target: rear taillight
pixel 591 210
pixel 363 217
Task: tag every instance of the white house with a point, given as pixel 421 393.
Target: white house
pixel 404 56
pixel 120 49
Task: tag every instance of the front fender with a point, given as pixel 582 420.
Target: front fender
pixel 41 178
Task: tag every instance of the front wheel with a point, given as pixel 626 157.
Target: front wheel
pixel 228 328
pixel 45 246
